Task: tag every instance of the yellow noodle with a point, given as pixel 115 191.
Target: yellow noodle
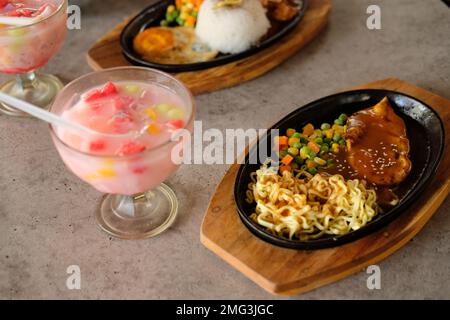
pixel 307 207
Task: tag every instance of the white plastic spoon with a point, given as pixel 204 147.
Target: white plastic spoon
pixel 56 120
pixel 43 114
pixel 17 22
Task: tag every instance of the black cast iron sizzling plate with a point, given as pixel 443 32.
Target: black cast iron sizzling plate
pixel 151 17
pixel 425 132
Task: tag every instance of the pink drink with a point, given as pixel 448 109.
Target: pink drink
pixel 115 164
pixel 27 48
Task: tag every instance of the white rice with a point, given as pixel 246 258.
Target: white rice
pixel 231 29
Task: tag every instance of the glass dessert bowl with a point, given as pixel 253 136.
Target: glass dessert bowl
pixel 134 112
pixel 34 34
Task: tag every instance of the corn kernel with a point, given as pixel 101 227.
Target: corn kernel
pixel 292 141
pixel 310 164
pixel 335 148
pixel 303 153
pixel 320 161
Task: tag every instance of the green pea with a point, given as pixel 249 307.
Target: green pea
pixel 312 170
pixel 164 23
pixel 343 117
pixel 296 135
pixel 298 160
pixel 342 142
pixel 283 153
pixel 339 122
pixel 306 150
pixel 312 155
pixel 319 140
pixel 327 140
pixel 170 17
pixel 324 148
pixel 336 137
pixel 180 21
pixel 297 145
pixel 329 162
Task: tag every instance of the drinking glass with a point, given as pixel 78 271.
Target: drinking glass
pixel 25 49
pixel 137 203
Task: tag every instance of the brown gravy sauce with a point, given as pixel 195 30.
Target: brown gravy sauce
pixel 378 154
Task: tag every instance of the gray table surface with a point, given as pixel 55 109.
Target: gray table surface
pixel 47 214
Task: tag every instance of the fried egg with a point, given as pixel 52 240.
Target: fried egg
pixel 175 45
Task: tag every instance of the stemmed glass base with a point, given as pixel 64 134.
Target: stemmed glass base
pixel 38 89
pixel 138 217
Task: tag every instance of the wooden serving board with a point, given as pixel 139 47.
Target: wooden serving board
pixel 285 271
pixel 107 53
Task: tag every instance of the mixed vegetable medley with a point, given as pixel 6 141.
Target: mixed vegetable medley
pixel 310 149
pixel 183 13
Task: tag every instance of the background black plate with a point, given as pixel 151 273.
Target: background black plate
pixel 426 134
pixel 152 15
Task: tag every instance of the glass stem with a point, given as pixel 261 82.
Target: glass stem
pixel 124 206
pixel 128 206
pixel 26 81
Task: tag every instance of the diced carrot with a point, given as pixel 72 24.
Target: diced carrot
pixel 314 146
pixel 190 21
pixel 308 129
pixel 285 168
pixel 281 141
pixel 197 3
pixel 287 159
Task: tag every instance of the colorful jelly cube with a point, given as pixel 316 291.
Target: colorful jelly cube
pixel 163 107
pixel 153 128
pixel 132 88
pixel 106 173
pixel 130 148
pixel 175 124
pixel 175 113
pixel 97 145
pixel 109 89
pixel 151 113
